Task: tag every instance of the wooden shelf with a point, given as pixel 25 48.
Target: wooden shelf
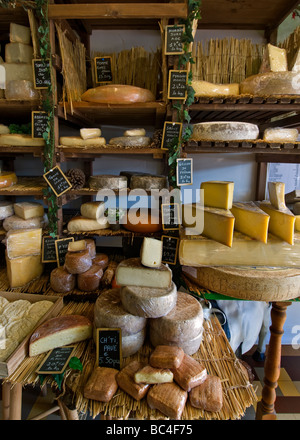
pixel 112 233
pixel 11 151
pixel 148 113
pixel 12 110
pixel 26 186
pixel 68 153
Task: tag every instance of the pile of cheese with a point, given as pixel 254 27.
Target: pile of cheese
pixel 83 268
pixel 146 295
pixel 17 320
pixel 18 64
pixel 131 138
pixel 23 223
pixel 92 218
pixel 89 138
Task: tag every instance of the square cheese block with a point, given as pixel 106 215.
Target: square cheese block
pixel 282 222
pixel 19 34
pixel 218 194
pixel 23 270
pixel 18 53
pixel 18 71
pixel 168 398
pixel 101 385
pixel 277 194
pixel 76 246
pixel 131 272
pixel 153 375
pixel 166 356
pixel 190 373
pixel 208 395
pixel 27 210
pixel 151 252
pixel 251 220
pixel 23 242
pixel 126 382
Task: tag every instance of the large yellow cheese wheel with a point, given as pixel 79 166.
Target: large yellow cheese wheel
pixel 118 94
pixel 7 179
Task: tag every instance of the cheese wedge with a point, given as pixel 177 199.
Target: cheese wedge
pixel 151 252
pixel 218 194
pixel 27 210
pixel 21 271
pixel 251 220
pixel 276 194
pixel 282 222
pixel 275 60
pixel 217 224
pixel 23 242
pixel 297 223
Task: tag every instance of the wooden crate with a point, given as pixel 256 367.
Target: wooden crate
pixel 14 360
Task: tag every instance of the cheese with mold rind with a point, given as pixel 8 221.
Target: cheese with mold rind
pixel 224 131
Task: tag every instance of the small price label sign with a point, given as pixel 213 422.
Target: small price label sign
pixel 173 39
pixel 61 248
pixel 57 181
pixel 109 347
pixel 170 249
pixel 48 249
pixel 103 69
pixel 177 88
pixel 184 172
pixel 171 131
pixel 170 216
pixel 41 74
pixel 39 124
pixel 56 361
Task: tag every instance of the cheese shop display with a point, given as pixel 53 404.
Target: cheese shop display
pixel 280 135
pixel 205 88
pixel 282 222
pixel 270 84
pixel 117 94
pixel 7 178
pixel 225 131
pixel 251 220
pixel 107 181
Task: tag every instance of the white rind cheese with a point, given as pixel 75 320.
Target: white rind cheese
pixel 77 141
pixel 151 252
pixel 90 133
pixel 281 135
pixel 82 224
pixel 190 346
pixel 15 222
pixel 224 131
pixel 270 84
pixel 22 140
pixel 130 141
pixel 135 132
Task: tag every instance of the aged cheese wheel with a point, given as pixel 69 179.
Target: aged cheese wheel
pixel 183 322
pixel 110 313
pixel 146 222
pixel 130 141
pixel 148 302
pixel 270 84
pixel 61 280
pixel 77 141
pixel 78 262
pixel 281 135
pixel 204 88
pixel 101 260
pixel 90 280
pixel 23 140
pixel 118 94
pixel 190 346
pixel 224 131
pixel 4 129
pixel 148 182
pixel 82 224
pixel 6 209
pixel 21 90
pixel 15 222
pixel 107 182
pixel 131 344
pixel 7 179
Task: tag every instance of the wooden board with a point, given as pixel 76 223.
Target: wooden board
pixel 15 359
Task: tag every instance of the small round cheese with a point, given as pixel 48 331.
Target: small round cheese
pixel 131 344
pixel 135 132
pixel 78 262
pixel 148 302
pixel 189 346
pixel 61 280
pixel 101 260
pixel 109 313
pixel 90 280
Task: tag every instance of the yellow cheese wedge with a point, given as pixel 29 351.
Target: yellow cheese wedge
pixel 218 194
pixel 251 220
pixel 297 223
pixel 276 194
pixel 27 210
pixel 282 222
pixel 23 242
pixel 217 224
pixel 20 271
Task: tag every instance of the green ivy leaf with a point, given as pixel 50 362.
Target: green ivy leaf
pixel 75 363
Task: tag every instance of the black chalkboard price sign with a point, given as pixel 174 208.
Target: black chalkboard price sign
pixel 103 69
pixel 56 361
pixel 171 131
pixel 184 172
pixel 48 249
pixel 177 88
pixel 39 124
pixel 41 74
pixel 57 181
pixel 173 39
pixel 170 216
pixel 61 248
pixel 170 249
pixel 109 347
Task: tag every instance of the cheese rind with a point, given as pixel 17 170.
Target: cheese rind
pixel 224 131
pixel 25 242
pixel 22 140
pixel 28 210
pixel 218 194
pixel 7 178
pixel 130 141
pixel 131 344
pixel 16 222
pixel 282 222
pixel 297 223
pixel 107 181
pixel 92 210
pixel 189 346
pixel 135 132
pixel 277 194
pixel 19 33
pixel 271 83
pixel 153 375
pixel 168 398
pixel 132 272
pixel 275 60
pixel 18 71
pixel 280 135
pixel 76 246
pixel 6 209
pixel 148 182
pixel 77 141
pixel 205 88
pixel 118 94
pixel 251 220
pixel 151 252
pixel 90 133
pixel 82 224
pixel 18 53
pixel 21 271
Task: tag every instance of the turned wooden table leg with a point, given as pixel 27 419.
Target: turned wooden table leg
pixel 266 407
pixel 5 400
pixel 16 402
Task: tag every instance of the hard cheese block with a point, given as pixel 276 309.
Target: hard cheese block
pixel 6 209
pixel 297 223
pixel 82 224
pixel 27 210
pixel 107 181
pixel 118 94
pixel 18 53
pixel 200 251
pixel 21 271
pixel 281 135
pixel 224 131
pixel 218 194
pixel 130 141
pixel 277 194
pixel 282 222
pixel 16 222
pixel 151 252
pixel 271 83
pixel 205 88
pixel 21 89
pixel 251 220
pixel 20 243
pixel 92 210
pixel 19 33
pixel 131 272
pixel 22 140
pixel 148 182
pixel 168 398
pixel 126 382
pixel 90 133
pixel 18 71
pixel 275 60
pixel 214 223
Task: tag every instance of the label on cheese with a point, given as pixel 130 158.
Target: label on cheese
pixel 251 221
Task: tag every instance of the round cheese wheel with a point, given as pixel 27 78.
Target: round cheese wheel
pixel 144 221
pixel 78 262
pixel 91 245
pixel 270 84
pixel 130 141
pixel 148 302
pixel 183 322
pixel 118 94
pixel 7 179
pixel 90 280
pixel 107 181
pixel 61 280
pixel 189 346
pixel 135 132
pixel 110 313
pixel 101 260
pixel 16 222
pixel 131 344
pixel 148 182
pixel 224 131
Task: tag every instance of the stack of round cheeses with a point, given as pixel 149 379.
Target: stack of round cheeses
pixel 132 138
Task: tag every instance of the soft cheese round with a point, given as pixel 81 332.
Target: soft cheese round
pixel 148 302
pixel 16 309
pixel 109 312
pixel 183 322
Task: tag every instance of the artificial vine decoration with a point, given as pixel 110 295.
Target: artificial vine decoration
pixel 183 107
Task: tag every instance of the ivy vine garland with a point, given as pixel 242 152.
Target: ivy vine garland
pixel 183 107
